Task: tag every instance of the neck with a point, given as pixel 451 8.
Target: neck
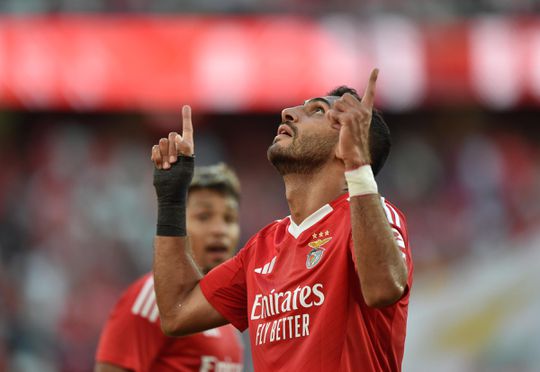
pixel 306 193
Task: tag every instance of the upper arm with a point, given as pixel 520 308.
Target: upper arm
pixel 225 288
pixel 220 297
pixel 196 315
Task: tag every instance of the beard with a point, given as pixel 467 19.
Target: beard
pixel 304 155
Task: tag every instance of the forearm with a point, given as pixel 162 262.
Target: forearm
pixel 175 277
pixel 381 268
pixel 175 273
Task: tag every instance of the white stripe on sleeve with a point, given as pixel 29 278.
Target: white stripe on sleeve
pixel 148 305
pixel 387 211
pixel 154 314
pixel 398 237
pixel 143 295
pixel 397 222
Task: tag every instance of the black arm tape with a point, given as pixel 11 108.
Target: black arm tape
pixel 171 189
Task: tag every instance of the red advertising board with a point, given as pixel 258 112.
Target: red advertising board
pixel 263 62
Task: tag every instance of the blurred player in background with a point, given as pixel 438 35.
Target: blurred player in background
pixel 132 339
pixel 326 288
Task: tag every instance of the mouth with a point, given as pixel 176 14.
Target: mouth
pixel 217 249
pixel 285 130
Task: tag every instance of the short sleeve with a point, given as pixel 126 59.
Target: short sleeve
pixel 132 337
pixel 225 289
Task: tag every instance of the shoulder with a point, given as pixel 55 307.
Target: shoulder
pixel 141 286
pixel 139 300
pixel 266 232
pixel 132 329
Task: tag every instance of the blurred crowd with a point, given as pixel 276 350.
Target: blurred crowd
pixel 466 182
pixel 440 8
pixel 77 212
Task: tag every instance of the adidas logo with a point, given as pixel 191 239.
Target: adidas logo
pixel 266 269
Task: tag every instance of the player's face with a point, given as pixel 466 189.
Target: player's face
pixel 306 139
pixel 212 226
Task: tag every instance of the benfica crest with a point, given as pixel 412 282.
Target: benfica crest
pixel 316 253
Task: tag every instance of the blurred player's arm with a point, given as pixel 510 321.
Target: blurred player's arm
pixel 381 268
pixel 182 307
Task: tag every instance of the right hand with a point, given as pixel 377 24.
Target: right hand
pixel 354 119
pixel 166 152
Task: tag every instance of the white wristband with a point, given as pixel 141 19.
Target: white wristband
pixel 361 181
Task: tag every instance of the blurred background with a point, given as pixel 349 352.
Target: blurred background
pixel 86 87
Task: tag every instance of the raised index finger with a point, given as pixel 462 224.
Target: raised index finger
pixel 187 125
pixel 369 93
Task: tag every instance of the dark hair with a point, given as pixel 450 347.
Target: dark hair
pixel 218 178
pixel 379 133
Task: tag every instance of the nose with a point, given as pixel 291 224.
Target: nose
pixel 289 114
pixel 219 228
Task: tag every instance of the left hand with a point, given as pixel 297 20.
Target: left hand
pixel 166 152
pixel 354 120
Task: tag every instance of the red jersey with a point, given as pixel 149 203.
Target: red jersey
pixel 297 289
pixel 132 339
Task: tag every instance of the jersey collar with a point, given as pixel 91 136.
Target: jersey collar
pixel 295 230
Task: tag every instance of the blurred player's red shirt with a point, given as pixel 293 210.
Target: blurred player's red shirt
pixel 132 339
pixel 297 289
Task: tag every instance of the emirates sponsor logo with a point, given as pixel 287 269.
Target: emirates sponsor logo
pixel 289 326
pixel 276 303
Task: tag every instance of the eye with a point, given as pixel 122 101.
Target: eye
pixel 203 216
pixel 318 110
